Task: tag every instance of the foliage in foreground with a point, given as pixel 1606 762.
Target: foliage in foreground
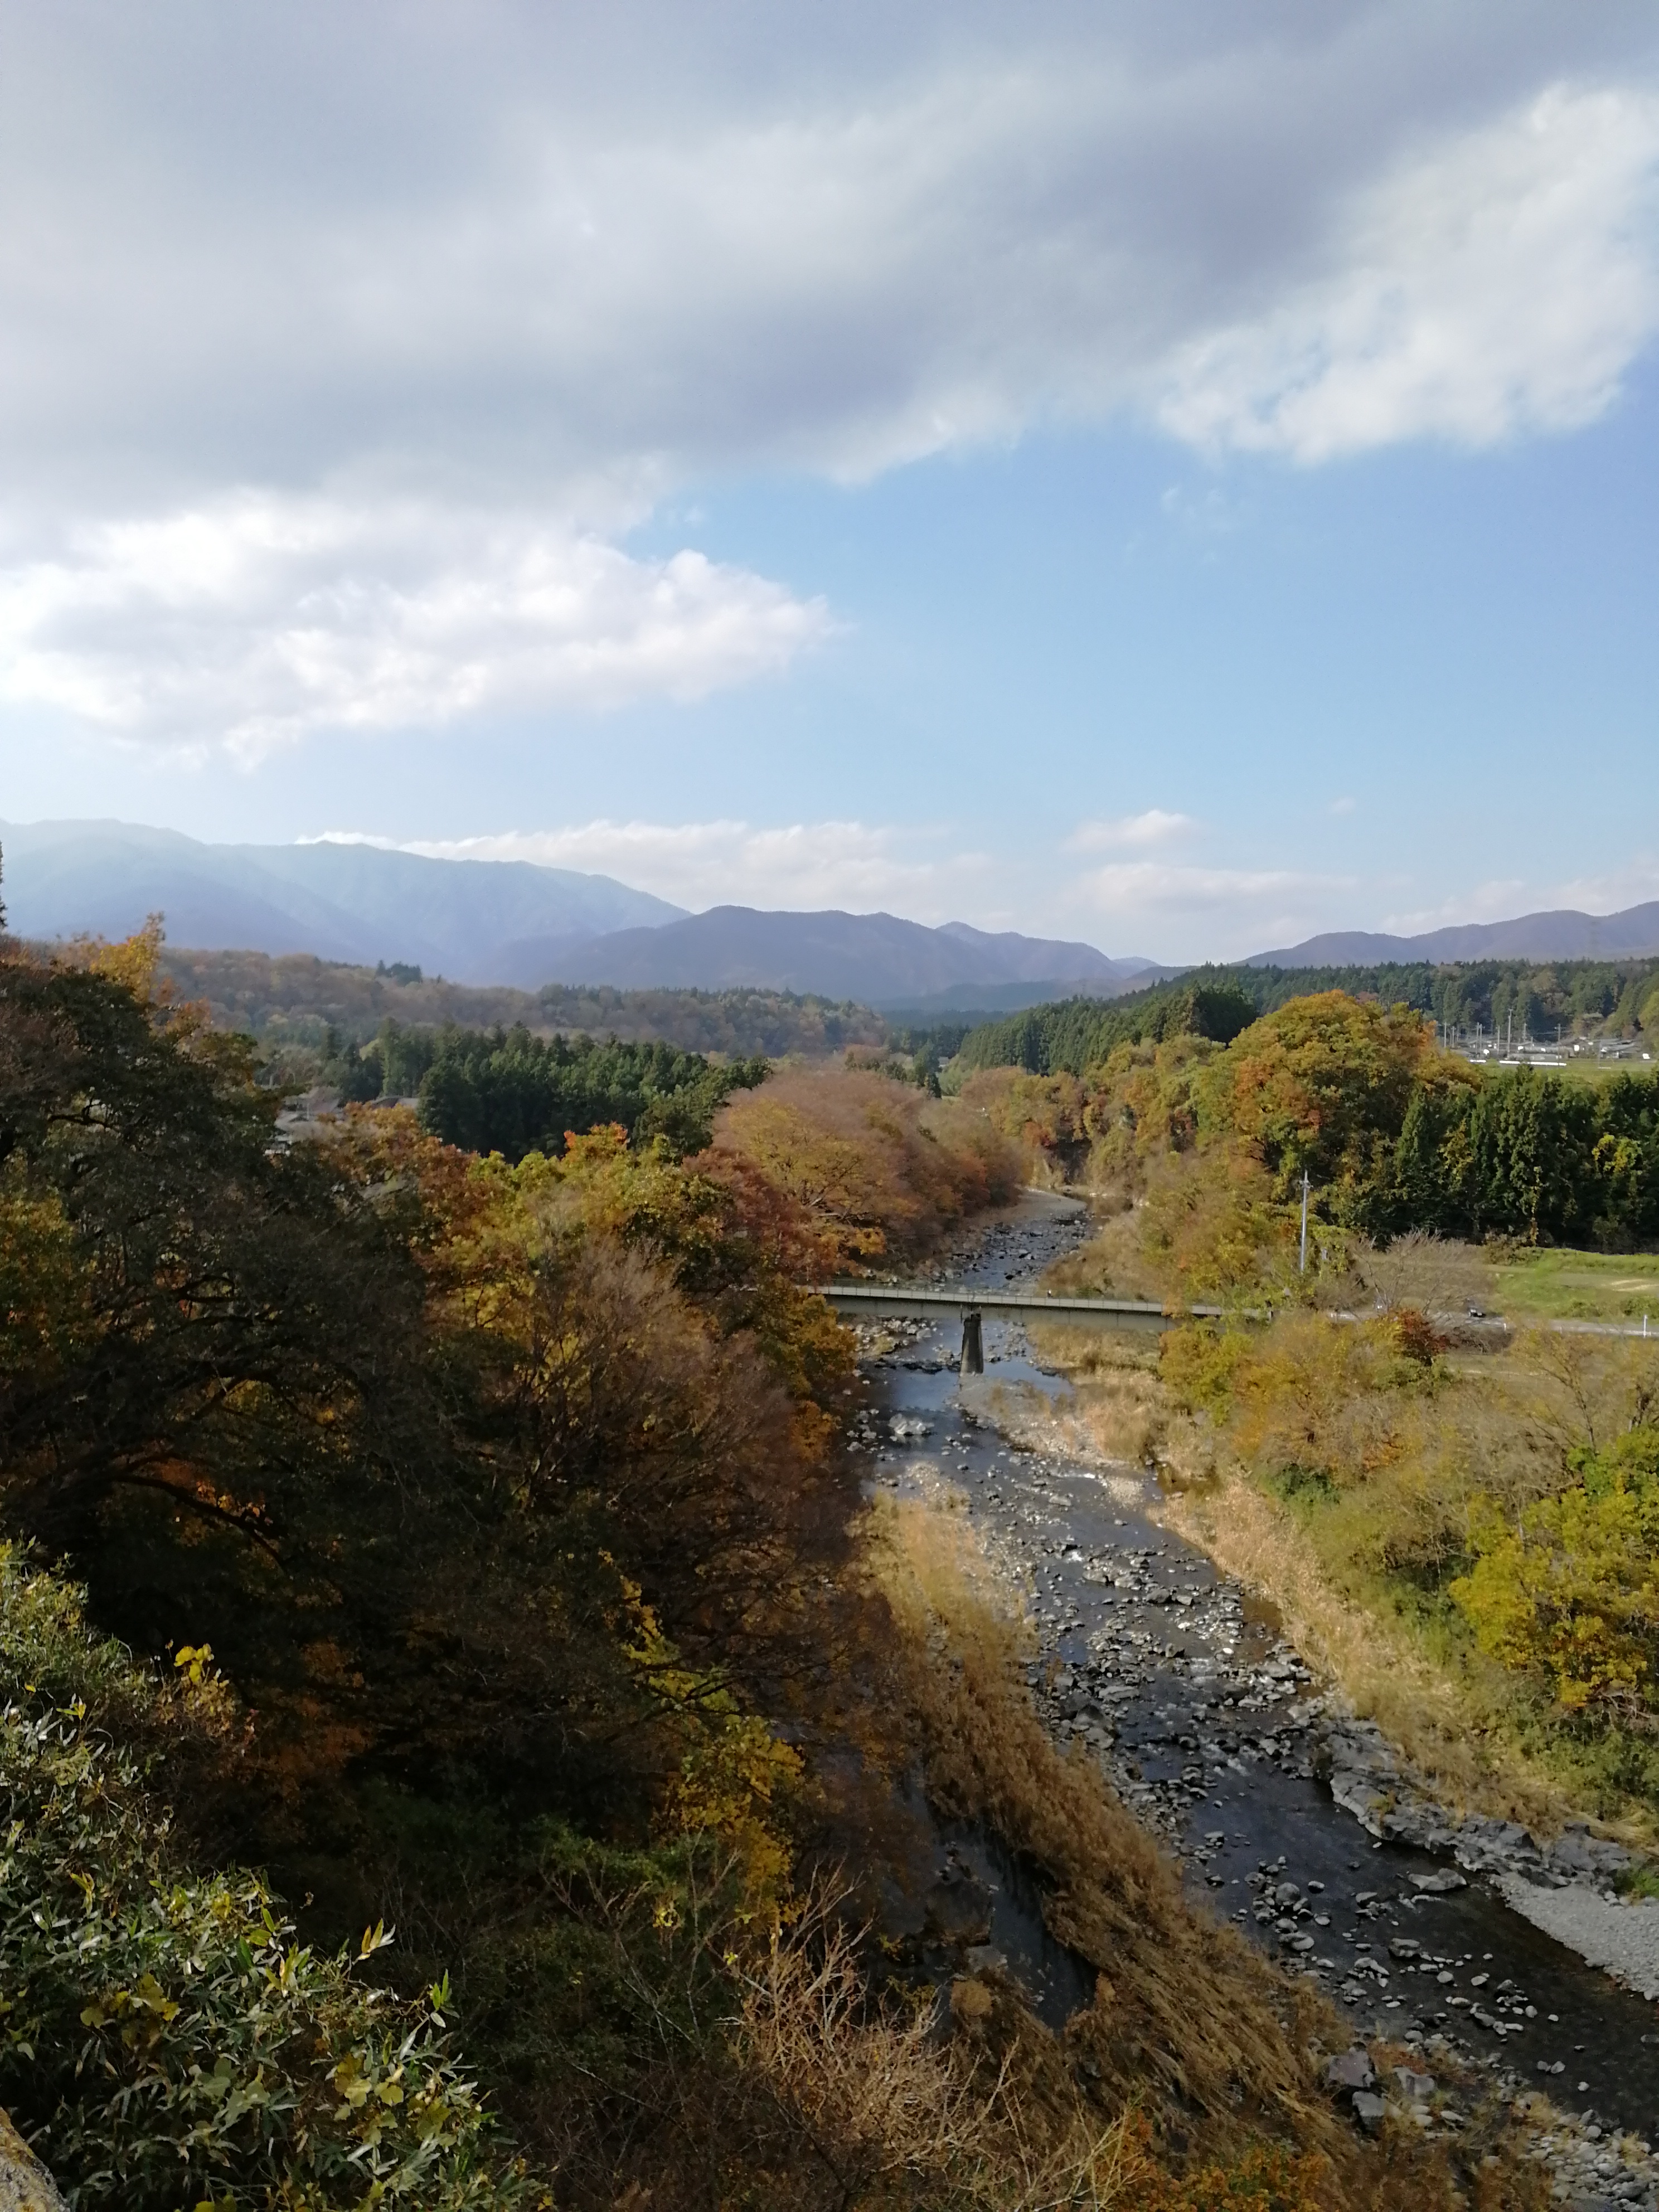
pixel 505 1495
pixel 1569 1587
pixel 164 2038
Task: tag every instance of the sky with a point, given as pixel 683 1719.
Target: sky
pixel 1183 478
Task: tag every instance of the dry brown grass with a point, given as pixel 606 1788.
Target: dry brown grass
pixel 1191 2082
pixel 1120 1410
pixel 1186 2014
pixel 878 2098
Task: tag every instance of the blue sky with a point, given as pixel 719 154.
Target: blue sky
pixel 1183 489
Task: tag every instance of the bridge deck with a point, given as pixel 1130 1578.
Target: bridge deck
pixel 913 1302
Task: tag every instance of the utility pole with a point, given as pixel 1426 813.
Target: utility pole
pixel 1303 1268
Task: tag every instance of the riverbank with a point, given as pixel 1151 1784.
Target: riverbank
pixel 1430 1780
pixel 1191 1691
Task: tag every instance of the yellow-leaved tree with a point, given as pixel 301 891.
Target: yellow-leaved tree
pixel 1569 1587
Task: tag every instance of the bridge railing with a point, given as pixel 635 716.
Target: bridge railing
pixel 920 1302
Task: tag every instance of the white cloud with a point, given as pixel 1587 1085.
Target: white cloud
pixel 252 621
pixel 535 268
pixel 1498 899
pixel 1344 805
pixel 1610 891
pixel 858 866
pixel 1154 827
pixel 1210 912
pixel 1152 886
pixel 1501 283
pixel 564 253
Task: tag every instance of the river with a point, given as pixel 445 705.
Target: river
pixel 1207 1724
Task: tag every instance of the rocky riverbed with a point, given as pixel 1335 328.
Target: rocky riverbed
pixel 1465 1943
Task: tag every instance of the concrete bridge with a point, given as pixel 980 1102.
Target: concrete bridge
pixel 923 1301
pixel 919 1302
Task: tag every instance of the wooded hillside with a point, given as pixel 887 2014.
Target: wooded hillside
pixel 295 999
pixel 1579 998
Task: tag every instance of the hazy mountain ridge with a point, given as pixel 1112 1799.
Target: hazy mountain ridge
pixel 353 902
pixel 488 923
pixel 512 923
pixel 1562 933
pixel 879 958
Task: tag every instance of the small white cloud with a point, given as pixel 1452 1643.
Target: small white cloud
pixel 858 866
pixel 1632 884
pixel 1344 806
pixel 1499 284
pixel 1154 827
pixel 1212 913
pixel 247 624
pixel 1149 886
pixel 1500 899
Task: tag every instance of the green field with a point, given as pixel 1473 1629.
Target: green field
pixel 1552 1284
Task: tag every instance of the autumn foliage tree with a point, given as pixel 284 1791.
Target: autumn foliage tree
pixel 870 1168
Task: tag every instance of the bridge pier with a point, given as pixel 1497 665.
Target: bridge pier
pixel 973 1346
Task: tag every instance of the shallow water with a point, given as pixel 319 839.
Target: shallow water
pixel 1184 1689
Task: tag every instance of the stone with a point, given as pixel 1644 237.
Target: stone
pixel 1369 2111
pixel 984 1958
pixel 1440 1884
pixel 1351 2070
pixel 1412 2085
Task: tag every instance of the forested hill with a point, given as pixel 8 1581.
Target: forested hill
pixel 1077 1033
pixel 1577 997
pixel 295 999
pixel 507 1091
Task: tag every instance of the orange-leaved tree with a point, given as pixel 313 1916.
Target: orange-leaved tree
pixel 875 1168
pixel 1319 1085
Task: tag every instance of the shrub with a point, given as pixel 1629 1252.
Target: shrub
pixel 163 2039
pixel 1570 1587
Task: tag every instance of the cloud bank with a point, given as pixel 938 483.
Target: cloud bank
pixel 344 348
pixel 858 866
pixel 1501 284
pixel 249 623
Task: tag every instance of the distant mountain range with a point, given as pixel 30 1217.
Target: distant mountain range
pixel 493 921
pixel 1563 935
pixel 876 957
pixel 463 919
pixel 511 922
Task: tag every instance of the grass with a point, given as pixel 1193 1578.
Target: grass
pixel 1191 2032
pixel 1547 1284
